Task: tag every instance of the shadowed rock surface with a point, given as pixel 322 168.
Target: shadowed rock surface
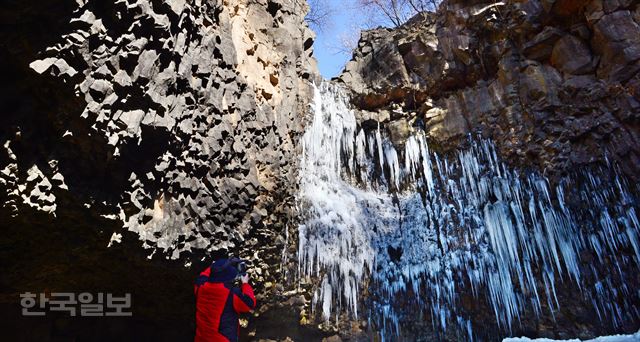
pixel 164 130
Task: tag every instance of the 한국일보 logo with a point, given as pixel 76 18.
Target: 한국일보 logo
pixel 84 304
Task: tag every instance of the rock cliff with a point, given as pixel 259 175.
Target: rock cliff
pixel 554 83
pixel 139 132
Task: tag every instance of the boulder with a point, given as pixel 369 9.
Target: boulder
pixel 616 37
pixel 541 46
pixel 399 131
pixel 572 55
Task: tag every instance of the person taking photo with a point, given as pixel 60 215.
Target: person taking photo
pixel 218 301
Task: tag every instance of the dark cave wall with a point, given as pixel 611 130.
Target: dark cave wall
pixel 231 153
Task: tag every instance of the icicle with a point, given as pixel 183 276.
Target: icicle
pixel 452 223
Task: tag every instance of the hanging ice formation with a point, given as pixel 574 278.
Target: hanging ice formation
pixel 410 223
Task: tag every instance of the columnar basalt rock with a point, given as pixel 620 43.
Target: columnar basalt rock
pixel 168 125
pixel 554 83
pixel 223 83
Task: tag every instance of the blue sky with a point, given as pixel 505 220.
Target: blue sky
pixel 343 23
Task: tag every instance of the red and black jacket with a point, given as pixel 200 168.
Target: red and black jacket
pixel 218 304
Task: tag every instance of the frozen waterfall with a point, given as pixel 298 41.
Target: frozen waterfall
pixel 417 229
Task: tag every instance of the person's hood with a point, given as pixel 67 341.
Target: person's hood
pixel 222 271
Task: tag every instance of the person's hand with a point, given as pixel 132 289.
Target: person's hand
pixel 245 278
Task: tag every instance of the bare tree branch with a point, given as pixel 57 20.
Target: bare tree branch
pixel 320 13
pixel 397 12
pixel 347 41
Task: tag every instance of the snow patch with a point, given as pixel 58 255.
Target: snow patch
pixel 613 338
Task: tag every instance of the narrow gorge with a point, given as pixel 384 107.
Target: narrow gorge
pixel 471 175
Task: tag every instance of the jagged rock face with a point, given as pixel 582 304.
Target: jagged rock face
pixel 211 84
pixel 169 125
pixel 554 83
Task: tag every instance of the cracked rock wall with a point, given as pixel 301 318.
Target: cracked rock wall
pixel 221 85
pixel 554 83
pixel 169 125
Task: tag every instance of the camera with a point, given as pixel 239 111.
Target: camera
pixel 241 267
